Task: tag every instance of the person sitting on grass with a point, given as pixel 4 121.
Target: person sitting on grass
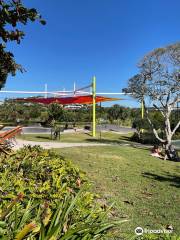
pixel 172 154
pixel 157 152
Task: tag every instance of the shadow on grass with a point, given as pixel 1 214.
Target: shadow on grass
pixel 126 138
pixel 107 141
pixel 125 141
pixel 123 138
pixel 44 137
pixel 89 134
pixel 141 146
pixel 173 180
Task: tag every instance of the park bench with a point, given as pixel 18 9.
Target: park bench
pixel 6 136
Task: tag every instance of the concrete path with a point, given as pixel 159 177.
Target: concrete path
pixel 48 145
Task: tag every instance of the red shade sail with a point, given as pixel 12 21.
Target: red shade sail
pixel 88 99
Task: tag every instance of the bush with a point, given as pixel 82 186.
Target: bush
pixel 39 174
pixel 51 199
pixel 19 222
pixel 149 138
pixel 176 136
pixel 157 237
pixel 145 138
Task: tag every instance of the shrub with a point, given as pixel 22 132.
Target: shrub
pixel 54 202
pixel 149 138
pixel 176 136
pixel 19 222
pixel 158 237
pixel 145 138
pixel 39 174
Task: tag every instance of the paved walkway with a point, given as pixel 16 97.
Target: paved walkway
pixel 48 145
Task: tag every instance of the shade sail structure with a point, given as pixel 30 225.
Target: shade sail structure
pixel 88 99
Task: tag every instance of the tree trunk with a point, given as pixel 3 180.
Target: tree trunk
pixel 167 149
pixel 168 132
pixel 167 140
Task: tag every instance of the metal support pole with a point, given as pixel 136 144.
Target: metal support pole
pixel 74 88
pixel 94 106
pixel 100 121
pixel 45 89
pixel 142 113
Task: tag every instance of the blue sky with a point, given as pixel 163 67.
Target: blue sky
pixel 83 38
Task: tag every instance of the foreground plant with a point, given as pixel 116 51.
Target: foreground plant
pixel 22 223
pixel 54 203
pixel 158 237
pixel 39 174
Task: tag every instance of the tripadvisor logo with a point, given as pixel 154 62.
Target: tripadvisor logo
pixel 139 231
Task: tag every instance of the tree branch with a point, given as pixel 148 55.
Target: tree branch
pixel 168 97
pixel 177 99
pixel 177 126
pixel 152 125
pixel 159 110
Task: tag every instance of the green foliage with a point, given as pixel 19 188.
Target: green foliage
pixel 177 136
pixel 38 173
pixel 54 203
pixel 56 112
pixel 7 65
pixel 117 112
pixel 158 84
pixel 11 111
pixel 27 113
pixel 147 136
pixel 158 237
pixel 22 222
pixel 12 14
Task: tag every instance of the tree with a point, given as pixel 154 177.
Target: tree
pixel 12 14
pixel 114 112
pixel 56 112
pixel 120 113
pixel 158 82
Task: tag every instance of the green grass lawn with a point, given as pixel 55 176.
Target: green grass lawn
pixel 106 137
pixel 145 189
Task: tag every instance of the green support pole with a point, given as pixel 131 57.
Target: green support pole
pixel 94 106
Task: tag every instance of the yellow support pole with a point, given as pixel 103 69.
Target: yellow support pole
pixel 142 110
pixel 94 106
pixel 142 114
